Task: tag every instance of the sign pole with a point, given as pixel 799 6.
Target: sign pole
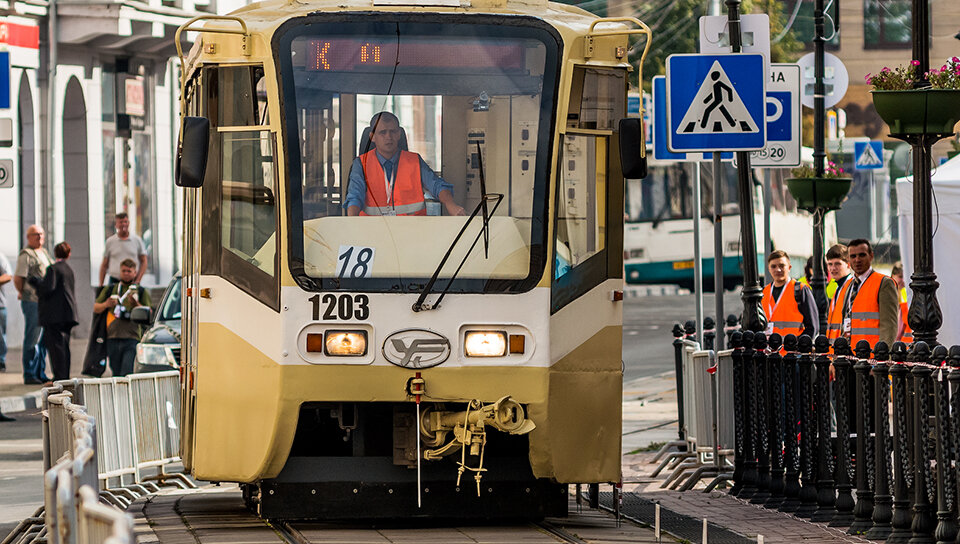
pixel 697 253
pixel 767 243
pixel 753 318
pixel 718 248
pixel 818 282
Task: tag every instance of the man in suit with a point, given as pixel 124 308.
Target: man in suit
pixel 57 310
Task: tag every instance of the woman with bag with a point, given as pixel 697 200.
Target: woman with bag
pixel 57 310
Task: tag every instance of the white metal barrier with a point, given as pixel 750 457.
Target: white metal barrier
pixel 135 420
pixel 72 510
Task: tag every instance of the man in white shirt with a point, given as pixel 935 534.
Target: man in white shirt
pixel 33 260
pixel 122 246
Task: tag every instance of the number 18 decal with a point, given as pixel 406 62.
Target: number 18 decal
pixel 354 262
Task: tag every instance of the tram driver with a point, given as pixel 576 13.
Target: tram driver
pixel 388 180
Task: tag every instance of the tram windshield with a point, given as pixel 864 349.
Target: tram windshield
pixel 391 121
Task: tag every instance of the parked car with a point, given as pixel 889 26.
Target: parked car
pixel 159 347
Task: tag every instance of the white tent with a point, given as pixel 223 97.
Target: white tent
pixel 946 241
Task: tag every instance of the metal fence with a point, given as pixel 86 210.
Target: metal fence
pixel 705 381
pixel 866 439
pixel 86 487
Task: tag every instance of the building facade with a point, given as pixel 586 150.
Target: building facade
pixel 93 106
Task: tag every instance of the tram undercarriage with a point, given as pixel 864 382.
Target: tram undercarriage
pixel 359 461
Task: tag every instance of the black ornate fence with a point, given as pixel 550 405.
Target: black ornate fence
pixel 851 436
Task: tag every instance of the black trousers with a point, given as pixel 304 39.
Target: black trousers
pixel 56 338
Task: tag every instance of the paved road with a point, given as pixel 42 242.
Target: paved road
pixel 21 469
pixel 647 351
pixel 647 322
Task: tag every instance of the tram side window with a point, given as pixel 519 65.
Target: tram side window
pixel 581 212
pixel 247 177
pixel 248 208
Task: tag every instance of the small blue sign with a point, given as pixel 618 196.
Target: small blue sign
pixel 779 127
pixel 5 80
pixel 868 155
pixel 660 151
pixel 716 102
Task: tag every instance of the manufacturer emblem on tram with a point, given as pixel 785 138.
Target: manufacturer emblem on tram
pixel 416 348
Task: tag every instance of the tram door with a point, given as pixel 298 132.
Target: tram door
pixel 190 301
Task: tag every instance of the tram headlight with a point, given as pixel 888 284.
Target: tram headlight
pixel 155 355
pixel 485 343
pixel 342 343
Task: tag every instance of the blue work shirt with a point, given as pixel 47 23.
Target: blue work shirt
pixel 357 188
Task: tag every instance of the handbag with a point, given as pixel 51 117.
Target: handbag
pixel 95 360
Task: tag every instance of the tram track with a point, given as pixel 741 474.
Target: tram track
pixel 293 532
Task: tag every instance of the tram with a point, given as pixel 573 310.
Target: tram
pixel 658 231
pixel 454 352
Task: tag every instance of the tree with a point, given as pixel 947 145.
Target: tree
pixel 676 29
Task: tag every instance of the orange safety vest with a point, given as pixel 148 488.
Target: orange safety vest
pixel 907 336
pixel 864 311
pixel 407 194
pixel 835 314
pixel 783 313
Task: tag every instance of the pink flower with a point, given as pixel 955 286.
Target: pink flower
pixel 915 62
pixel 955 59
pixel 885 69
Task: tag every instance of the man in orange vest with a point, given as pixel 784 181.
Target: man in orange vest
pixel 788 304
pixel 867 306
pixel 390 181
pixel 904 332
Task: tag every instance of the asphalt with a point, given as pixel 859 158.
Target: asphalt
pixel 649 399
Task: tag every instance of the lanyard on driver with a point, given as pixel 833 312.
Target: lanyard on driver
pixel 390 181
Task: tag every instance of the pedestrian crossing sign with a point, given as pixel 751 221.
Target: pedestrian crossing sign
pixel 868 155
pixel 716 102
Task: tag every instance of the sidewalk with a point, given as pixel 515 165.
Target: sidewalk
pixel 17 397
pixel 649 419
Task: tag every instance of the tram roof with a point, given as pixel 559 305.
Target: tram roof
pixel 265 16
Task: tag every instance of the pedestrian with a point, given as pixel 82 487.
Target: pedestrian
pixel 807 272
pixel 837 268
pixel 33 260
pixel 867 307
pixel 122 333
pixel 904 332
pixel 57 310
pixel 122 246
pixel 787 303
pixel 6 276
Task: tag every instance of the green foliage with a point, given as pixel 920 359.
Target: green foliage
pixel 676 29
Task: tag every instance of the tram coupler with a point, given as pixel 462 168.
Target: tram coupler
pixel 416 387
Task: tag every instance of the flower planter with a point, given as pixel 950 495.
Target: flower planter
pixel 919 111
pixel 830 192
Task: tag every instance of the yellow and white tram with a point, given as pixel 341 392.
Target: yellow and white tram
pixel 410 361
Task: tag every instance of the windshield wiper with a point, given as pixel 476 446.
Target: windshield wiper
pixel 485 232
pixel 483 204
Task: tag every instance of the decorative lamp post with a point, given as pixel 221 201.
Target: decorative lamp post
pixel 921 116
pixel 821 192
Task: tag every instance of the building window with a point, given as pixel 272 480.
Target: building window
pixel 886 24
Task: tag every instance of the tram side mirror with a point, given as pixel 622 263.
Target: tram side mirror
pixel 633 148
pixel 141 315
pixel 192 155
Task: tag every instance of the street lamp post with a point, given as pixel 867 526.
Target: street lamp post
pixel 752 294
pixel 818 282
pixel 925 317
